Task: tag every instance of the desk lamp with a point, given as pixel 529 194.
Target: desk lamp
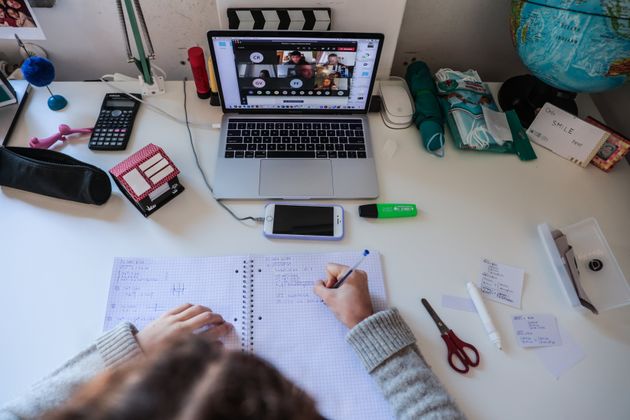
pixel 149 82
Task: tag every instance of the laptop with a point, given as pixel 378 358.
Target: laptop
pixel 295 114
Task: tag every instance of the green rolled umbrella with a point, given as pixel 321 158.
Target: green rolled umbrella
pixel 428 116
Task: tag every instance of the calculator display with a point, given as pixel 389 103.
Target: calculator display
pixel 120 104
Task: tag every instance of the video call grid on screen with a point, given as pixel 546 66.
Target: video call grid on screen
pixel 285 73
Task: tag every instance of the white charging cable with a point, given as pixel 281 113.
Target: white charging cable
pixel 122 77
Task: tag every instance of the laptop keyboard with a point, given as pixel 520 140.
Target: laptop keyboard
pixel 293 138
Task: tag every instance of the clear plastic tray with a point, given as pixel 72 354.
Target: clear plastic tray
pixel 607 288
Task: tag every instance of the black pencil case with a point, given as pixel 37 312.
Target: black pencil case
pixel 53 174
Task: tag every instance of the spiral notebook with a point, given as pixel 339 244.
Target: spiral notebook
pixel 270 301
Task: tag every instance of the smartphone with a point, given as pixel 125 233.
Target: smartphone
pixel 303 221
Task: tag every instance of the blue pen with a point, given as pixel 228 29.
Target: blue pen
pixel 354 267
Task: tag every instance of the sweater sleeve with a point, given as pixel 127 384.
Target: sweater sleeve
pixel 112 349
pixel 387 349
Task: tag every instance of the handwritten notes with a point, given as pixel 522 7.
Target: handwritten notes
pixel 536 330
pixel 292 283
pixel 270 301
pixel 501 283
pixel 141 289
pixel 295 331
pixel 566 135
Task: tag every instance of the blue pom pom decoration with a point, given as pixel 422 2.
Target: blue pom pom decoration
pixel 38 71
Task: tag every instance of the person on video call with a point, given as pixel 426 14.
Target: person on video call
pixel 334 66
pixel 166 372
pixel 327 84
pixel 264 74
pixel 304 71
pixel 295 57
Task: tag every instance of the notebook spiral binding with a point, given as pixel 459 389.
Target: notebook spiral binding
pixel 250 322
pixel 243 306
pixel 247 314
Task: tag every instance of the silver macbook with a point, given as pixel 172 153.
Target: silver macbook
pixel 295 105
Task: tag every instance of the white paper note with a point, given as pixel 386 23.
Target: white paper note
pixel 559 359
pixel 459 303
pixel 536 330
pixel 136 182
pixel 566 135
pixel 497 124
pixel 501 283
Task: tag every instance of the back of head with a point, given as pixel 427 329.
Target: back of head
pixel 190 379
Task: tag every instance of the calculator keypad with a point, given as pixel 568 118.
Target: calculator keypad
pixel 112 129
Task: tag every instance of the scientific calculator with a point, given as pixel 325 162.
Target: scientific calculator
pixel 113 126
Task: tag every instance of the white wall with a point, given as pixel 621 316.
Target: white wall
pixel 84 37
pixel 460 35
pixel 463 34
pixel 85 41
pixel 383 16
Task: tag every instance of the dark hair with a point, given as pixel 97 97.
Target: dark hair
pixel 265 72
pixel 190 379
pixel 332 55
pixel 295 52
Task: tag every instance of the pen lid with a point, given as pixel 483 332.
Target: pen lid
pixel 368 210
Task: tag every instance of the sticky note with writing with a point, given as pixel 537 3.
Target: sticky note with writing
pixel 536 330
pixel 501 283
pixel 566 135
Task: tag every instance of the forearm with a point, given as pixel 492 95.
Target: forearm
pixel 386 346
pixel 110 350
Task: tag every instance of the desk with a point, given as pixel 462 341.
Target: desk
pixel 56 256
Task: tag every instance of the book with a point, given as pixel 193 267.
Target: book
pixel 566 135
pixel 270 301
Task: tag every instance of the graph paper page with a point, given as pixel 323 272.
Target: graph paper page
pixel 141 289
pixel 296 332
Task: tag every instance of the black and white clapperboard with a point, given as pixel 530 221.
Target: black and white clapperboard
pixel 273 19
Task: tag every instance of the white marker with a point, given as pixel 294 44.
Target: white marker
pixel 483 314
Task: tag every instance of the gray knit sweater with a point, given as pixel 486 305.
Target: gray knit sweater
pixel 383 342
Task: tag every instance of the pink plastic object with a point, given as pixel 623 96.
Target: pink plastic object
pixel 64 130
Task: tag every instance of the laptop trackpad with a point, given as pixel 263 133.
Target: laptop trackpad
pixel 281 178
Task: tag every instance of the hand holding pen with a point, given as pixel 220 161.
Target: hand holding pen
pixel 351 303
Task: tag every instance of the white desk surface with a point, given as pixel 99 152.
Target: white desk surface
pixel 56 256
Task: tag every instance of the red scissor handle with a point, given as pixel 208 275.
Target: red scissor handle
pixel 457 348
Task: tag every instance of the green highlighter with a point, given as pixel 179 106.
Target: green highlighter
pixel 387 210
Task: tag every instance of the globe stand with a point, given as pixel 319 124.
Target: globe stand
pixel 526 94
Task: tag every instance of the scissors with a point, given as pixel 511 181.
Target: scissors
pixel 456 347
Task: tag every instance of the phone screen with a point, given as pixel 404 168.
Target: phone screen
pixel 303 220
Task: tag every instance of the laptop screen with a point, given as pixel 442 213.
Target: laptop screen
pixel 316 72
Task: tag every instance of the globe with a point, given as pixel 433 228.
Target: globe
pixel 569 46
